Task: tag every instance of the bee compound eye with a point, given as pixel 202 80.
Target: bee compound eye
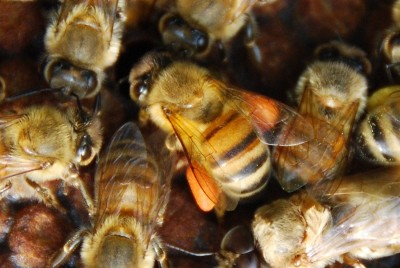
pixel 85 150
pixel 201 41
pixel 85 153
pixel 140 88
pixel 89 79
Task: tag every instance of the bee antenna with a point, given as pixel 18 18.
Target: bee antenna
pixel 123 80
pixel 122 83
pixel 190 253
pixel 81 112
pixel 31 93
pixel 338 36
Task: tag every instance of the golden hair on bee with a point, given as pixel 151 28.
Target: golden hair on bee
pixel 82 40
pixel 285 228
pixel 115 243
pixel 337 77
pixel 332 95
pixel 202 28
pixel 44 143
pixel 203 114
pixel 359 219
pixel 132 186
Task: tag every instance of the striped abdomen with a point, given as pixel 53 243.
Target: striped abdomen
pixel 240 162
pixel 378 138
pixel 130 183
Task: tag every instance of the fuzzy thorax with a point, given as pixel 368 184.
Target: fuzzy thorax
pixel 118 242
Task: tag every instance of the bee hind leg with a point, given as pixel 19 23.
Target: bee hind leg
pixel 349 260
pixel 161 255
pixel 63 254
pixel 79 184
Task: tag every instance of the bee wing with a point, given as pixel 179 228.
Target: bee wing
pixel 372 224
pixel 323 158
pixel 207 190
pixel 66 7
pixel 12 166
pixel 271 119
pixel 128 179
pixel 378 183
pixel 114 9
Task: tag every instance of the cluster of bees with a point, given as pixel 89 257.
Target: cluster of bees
pixel 68 151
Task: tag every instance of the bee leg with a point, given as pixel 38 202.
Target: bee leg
pixel 47 196
pixel 161 256
pixel 62 255
pixel 79 184
pixel 250 30
pixel 219 213
pixel 221 49
pixel 144 117
pixel 352 262
pixel 4 189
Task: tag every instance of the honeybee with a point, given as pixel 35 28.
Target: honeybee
pixel 332 94
pixel 389 46
pixel 223 131
pixel 377 137
pixel 361 223
pixel 44 143
pixel 199 27
pixel 237 249
pixel 132 188
pixel 82 40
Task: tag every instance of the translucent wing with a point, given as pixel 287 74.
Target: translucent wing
pixel 66 7
pixel 113 9
pixel 271 119
pixel 324 156
pixel 354 189
pixel 128 179
pixel 372 224
pixel 366 213
pixel 208 189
